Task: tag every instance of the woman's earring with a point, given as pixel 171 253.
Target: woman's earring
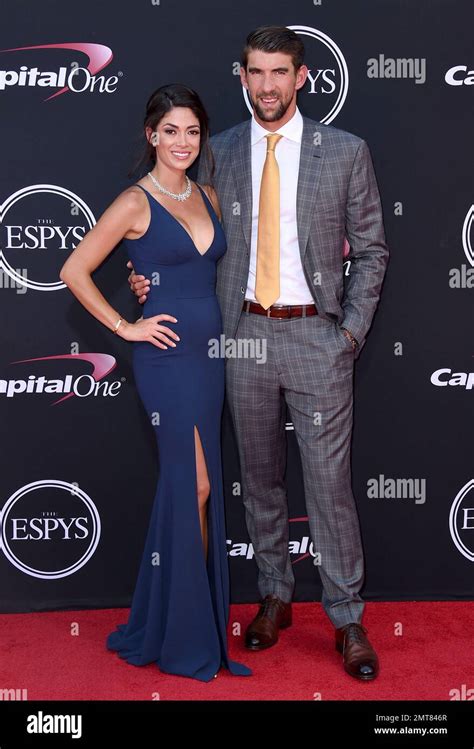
pixel 155 139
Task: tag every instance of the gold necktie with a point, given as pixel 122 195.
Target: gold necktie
pixel 267 283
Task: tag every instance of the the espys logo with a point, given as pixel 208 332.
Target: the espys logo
pixel 467 235
pixel 327 83
pixel 67 385
pixel 39 226
pixel 463 276
pixel 75 78
pixel 49 529
pixel 461 521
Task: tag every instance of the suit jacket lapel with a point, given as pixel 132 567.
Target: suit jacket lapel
pixel 242 168
pixel 311 160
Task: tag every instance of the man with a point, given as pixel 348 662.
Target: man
pixel 288 202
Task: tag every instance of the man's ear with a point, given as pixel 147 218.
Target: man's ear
pixel 301 76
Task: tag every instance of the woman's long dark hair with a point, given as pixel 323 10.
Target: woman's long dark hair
pixel 159 104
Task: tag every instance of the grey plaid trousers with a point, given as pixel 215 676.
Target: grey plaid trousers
pixel 309 364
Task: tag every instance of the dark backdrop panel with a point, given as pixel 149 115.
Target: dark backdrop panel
pixel 79 473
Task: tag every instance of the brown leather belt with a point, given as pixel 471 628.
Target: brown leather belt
pixel 281 311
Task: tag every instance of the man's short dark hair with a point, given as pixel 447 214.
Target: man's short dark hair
pixel 274 39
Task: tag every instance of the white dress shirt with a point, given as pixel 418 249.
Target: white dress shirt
pixel 293 285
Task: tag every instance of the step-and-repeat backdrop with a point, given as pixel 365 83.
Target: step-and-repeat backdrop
pixel 78 456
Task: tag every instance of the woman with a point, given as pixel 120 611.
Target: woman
pixel 172 234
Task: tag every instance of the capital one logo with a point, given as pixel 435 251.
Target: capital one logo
pixel 459 75
pixel 82 385
pixel 328 77
pixel 461 521
pixel 302 548
pixel 74 78
pixel 49 529
pixel 39 226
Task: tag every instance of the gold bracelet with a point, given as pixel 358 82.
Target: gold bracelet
pixel 117 325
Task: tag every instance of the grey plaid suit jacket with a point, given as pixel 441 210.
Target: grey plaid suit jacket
pixel 337 197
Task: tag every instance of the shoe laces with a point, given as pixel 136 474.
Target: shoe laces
pixel 269 605
pixel 355 634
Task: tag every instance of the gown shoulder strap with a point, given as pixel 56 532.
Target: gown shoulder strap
pixel 141 187
pixel 208 201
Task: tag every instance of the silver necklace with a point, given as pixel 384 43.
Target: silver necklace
pixel 175 195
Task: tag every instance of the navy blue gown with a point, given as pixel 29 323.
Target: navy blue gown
pixel 180 605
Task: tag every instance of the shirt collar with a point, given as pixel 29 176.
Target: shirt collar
pixel 293 129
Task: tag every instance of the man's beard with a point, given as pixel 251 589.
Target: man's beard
pixel 271 117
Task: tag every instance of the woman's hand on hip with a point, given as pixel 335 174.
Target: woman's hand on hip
pixel 151 330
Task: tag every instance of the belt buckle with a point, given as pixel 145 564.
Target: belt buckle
pixel 281 307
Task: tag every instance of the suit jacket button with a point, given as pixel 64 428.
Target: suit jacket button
pixel 242 290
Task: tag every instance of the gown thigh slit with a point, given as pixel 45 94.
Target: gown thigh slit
pixel 180 605
pixel 199 450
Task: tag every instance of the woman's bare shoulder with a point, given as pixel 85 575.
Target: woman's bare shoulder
pixel 133 195
pixel 130 201
pixel 130 209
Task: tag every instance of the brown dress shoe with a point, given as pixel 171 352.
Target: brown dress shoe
pixel 273 615
pixel 360 659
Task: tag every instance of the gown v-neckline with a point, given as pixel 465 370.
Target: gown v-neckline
pixel 201 254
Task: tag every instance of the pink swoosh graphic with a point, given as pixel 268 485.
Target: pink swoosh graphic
pixel 99 56
pixel 299 520
pixel 102 364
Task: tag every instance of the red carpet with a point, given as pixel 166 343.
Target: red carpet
pixel 431 656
